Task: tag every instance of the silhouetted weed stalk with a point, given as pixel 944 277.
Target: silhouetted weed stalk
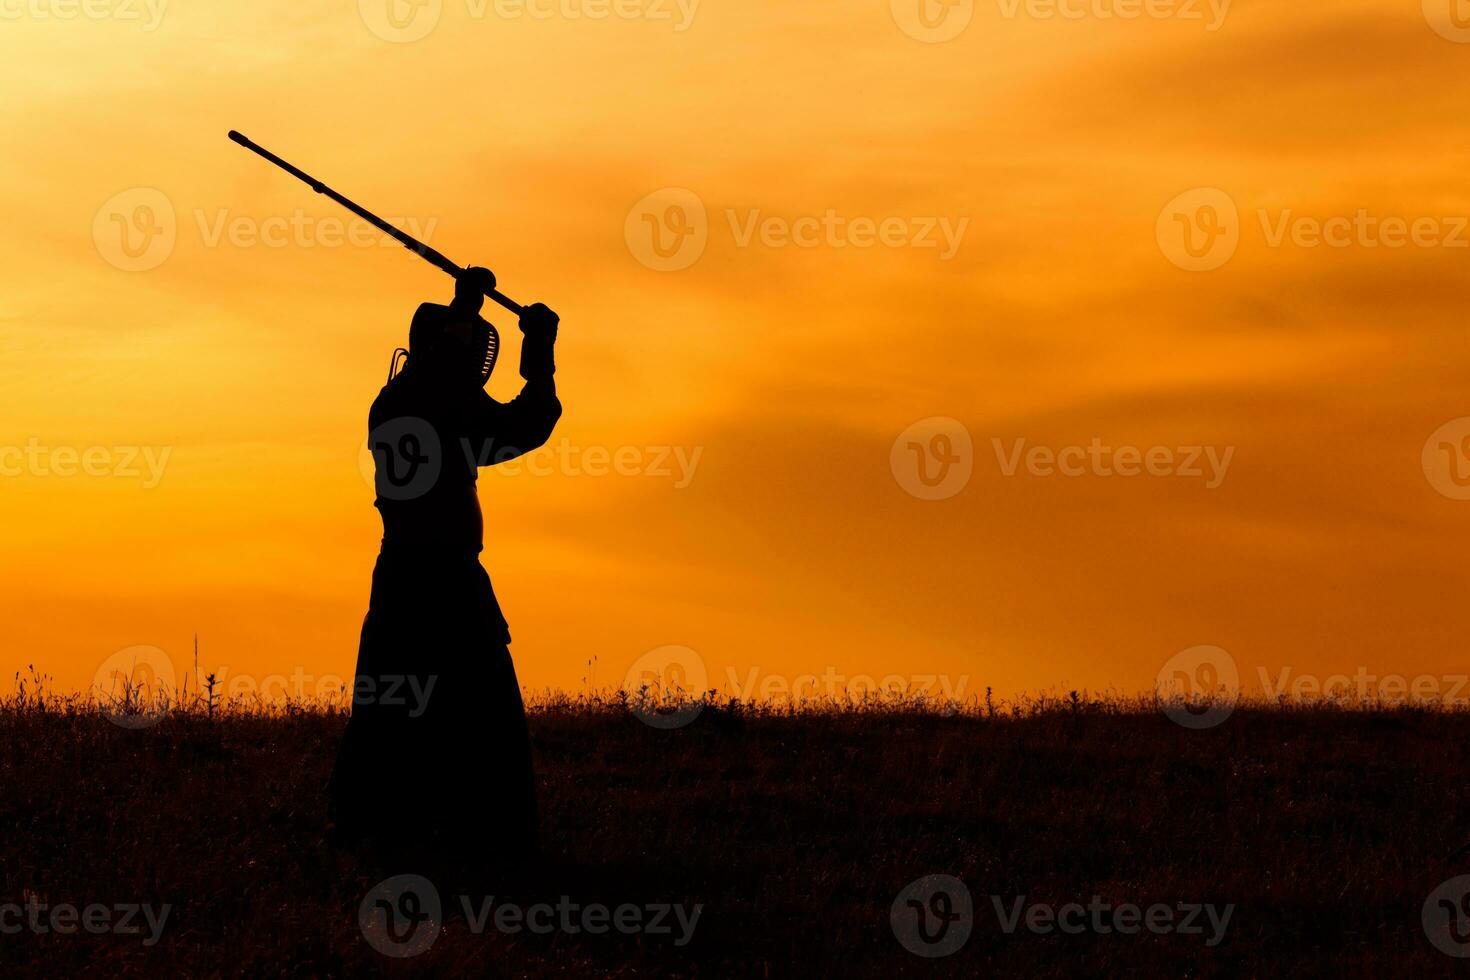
pixel 129 697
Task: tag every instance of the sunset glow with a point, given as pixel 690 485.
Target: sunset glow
pixel 894 229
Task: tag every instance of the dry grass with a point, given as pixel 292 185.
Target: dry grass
pixel 795 826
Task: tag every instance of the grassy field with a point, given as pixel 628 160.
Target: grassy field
pixel 1323 830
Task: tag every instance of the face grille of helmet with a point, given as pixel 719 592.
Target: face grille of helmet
pixel 489 342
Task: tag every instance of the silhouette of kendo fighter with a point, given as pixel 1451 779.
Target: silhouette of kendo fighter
pixel 436 757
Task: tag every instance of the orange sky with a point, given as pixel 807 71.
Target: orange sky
pixel 528 144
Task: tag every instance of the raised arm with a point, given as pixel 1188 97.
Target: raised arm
pixel 523 424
